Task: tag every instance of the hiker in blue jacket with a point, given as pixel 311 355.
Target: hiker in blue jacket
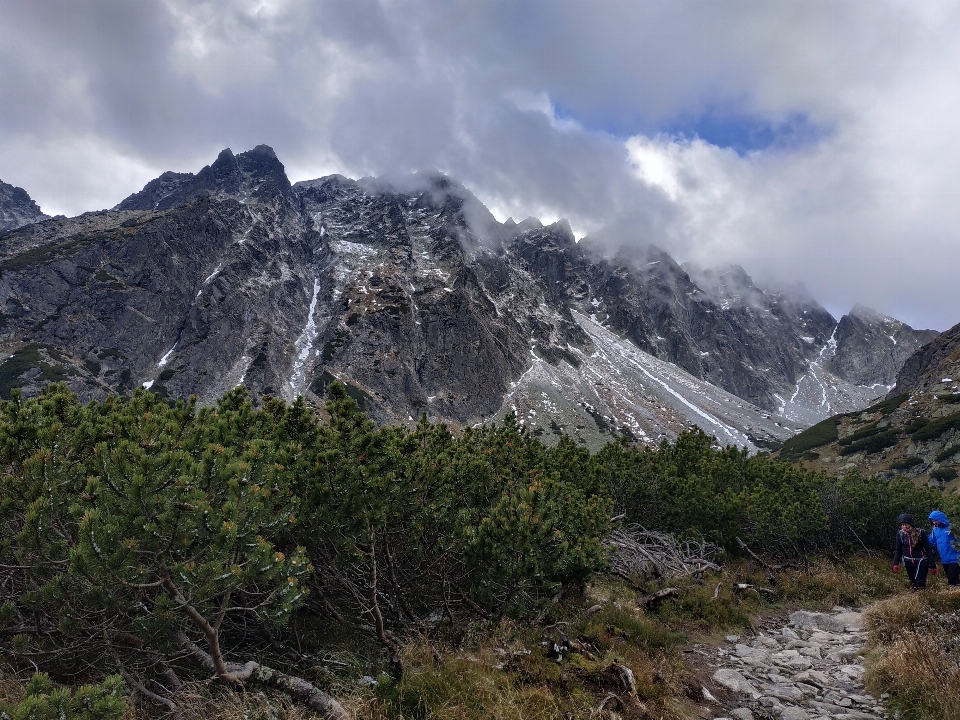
pixel 946 544
pixel 915 551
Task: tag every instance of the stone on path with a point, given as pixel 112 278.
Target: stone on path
pixel 852 620
pixel 817 621
pixel 733 680
pixel 753 656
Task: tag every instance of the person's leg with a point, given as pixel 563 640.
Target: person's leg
pixel 952 571
pixel 918 574
pixel 910 568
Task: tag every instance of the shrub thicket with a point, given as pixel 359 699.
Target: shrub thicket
pixel 907 462
pixel 888 405
pixel 167 542
pixel 44 701
pixel 872 443
pixel 868 431
pixel 947 453
pixel 943 474
pixel 936 428
pixel 915 424
pixel 822 433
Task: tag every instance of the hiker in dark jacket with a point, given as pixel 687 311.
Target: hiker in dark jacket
pixel 946 544
pixel 915 551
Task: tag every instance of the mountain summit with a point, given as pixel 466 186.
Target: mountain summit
pixel 256 175
pixel 17 208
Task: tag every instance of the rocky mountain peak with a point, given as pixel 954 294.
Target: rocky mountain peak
pixel 866 314
pixel 728 285
pixel 557 236
pixel 642 259
pixel 530 223
pixel 253 176
pixel 872 347
pixel 17 208
pixel 264 151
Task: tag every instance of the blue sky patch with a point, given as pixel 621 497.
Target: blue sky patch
pixel 746 133
pixel 742 132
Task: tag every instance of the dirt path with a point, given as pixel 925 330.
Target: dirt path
pixel 808 667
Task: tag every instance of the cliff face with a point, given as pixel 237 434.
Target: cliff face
pixel 17 208
pixel 871 347
pixel 410 292
pixel 914 431
pixel 200 282
pixel 935 367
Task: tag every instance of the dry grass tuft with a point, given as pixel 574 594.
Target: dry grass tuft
pixel 888 620
pixel 472 685
pixel 916 655
pixel 505 674
pixel 198 702
pixel 852 582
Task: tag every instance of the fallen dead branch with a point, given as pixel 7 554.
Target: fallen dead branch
pixel 769 569
pixel 636 552
pixel 296 688
pixel 652 600
pixel 743 587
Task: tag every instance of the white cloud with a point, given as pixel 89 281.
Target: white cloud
pixel 69 174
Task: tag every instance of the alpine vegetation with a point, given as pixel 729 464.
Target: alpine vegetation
pixel 163 542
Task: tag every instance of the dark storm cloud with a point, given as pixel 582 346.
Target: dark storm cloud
pixel 806 141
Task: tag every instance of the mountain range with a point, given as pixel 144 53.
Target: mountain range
pixel 410 291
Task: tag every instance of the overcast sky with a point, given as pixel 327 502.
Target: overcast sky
pixel 810 142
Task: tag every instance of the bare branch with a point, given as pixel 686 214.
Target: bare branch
pixel 141 688
pixel 636 552
pixel 213 637
pixel 768 568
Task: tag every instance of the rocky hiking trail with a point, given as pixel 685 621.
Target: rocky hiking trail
pixel 808 667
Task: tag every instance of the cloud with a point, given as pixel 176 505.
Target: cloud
pixel 810 142
pixel 86 171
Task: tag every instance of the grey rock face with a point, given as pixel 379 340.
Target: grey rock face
pixel 17 208
pixel 410 320
pixel 927 368
pixel 871 347
pixel 254 176
pixel 409 291
pixel 751 345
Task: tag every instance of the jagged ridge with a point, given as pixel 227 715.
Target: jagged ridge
pixel 407 289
